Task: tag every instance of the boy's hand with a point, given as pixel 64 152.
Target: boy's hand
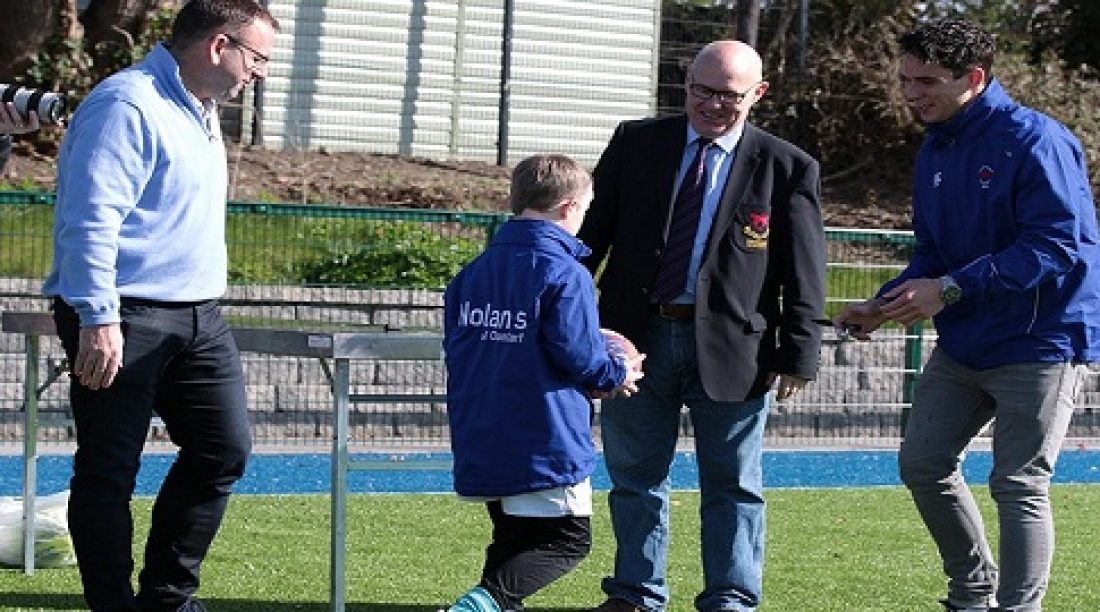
pixel 629 385
pixel 633 375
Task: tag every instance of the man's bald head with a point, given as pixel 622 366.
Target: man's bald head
pixel 724 81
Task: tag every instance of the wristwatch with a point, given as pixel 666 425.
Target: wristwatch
pixel 951 292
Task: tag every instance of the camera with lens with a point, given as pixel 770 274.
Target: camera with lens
pixel 50 106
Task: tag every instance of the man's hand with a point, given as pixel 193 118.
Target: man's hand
pixel 99 355
pixel 914 300
pixel 859 320
pixel 788 385
pixel 11 122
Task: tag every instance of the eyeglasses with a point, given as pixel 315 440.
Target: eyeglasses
pixel 729 98
pixel 258 59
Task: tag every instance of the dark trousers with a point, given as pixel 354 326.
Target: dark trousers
pixel 180 361
pixel 528 553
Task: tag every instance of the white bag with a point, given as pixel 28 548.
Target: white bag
pixel 52 545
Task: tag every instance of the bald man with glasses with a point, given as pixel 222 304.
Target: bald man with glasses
pixel 715 268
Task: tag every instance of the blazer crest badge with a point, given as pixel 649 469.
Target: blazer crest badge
pixel 757 230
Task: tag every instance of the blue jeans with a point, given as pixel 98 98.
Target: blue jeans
pixel 639 438
pixel 1032 404
pixel 181 362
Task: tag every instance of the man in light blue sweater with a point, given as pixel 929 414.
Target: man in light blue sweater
pixel 139 263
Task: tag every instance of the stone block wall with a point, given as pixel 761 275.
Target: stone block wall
pixel 857 398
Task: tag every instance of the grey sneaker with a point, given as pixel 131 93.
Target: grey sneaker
pixel 192 605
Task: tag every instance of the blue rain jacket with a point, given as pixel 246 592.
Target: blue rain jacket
pixel 1002 202
pixel 523 346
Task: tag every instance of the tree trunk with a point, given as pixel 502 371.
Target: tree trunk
pixel 748 21
pixel 23 31
pixel 111 26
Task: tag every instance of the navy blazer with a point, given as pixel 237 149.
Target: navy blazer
pixel 761 283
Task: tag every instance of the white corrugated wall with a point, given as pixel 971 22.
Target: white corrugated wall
pixel 422 77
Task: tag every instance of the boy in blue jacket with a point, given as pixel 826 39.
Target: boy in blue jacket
pixel 524 352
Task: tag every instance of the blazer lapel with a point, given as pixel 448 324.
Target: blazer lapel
pixel 737 185
pixel 670 143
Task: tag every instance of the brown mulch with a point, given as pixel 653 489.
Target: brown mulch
pixel 363 179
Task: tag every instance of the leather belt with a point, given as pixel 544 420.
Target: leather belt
pixel 674 312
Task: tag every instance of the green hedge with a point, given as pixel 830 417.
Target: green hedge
pixel 390 254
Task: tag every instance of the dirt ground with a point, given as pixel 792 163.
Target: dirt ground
pixel 361 179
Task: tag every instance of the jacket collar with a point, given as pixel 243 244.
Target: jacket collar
pixel 973 116
pixel 727 141
pixel 165 69
pixel 531 231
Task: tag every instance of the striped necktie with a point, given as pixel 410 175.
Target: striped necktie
pixel 672 274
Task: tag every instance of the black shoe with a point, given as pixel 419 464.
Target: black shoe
pixel 614 604
pixel 949 607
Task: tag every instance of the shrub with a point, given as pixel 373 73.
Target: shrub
pixel 1069 95
pixel 391 254
pixel 848 109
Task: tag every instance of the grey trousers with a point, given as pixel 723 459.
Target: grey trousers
pixel 1032 404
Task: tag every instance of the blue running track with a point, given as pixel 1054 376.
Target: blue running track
pixel 290 473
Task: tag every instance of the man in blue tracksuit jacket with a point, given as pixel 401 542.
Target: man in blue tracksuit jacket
pixel 524 351
pixel 1008 263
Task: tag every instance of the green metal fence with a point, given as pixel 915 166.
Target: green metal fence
pixel 279 258
pixel 290 244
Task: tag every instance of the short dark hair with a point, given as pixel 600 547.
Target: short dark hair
pixel 955 44
pixel 540 182
pixel 201 18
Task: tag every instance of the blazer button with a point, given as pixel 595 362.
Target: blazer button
pixel 645 290
pixel 657 252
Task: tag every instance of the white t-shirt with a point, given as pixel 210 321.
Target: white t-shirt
pixel 575 500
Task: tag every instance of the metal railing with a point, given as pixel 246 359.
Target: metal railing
pixel 860 397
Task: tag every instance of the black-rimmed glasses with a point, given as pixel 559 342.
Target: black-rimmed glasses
pixel 731 98
pixel 258 59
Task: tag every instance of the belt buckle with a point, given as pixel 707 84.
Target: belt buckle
pixel 671 312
